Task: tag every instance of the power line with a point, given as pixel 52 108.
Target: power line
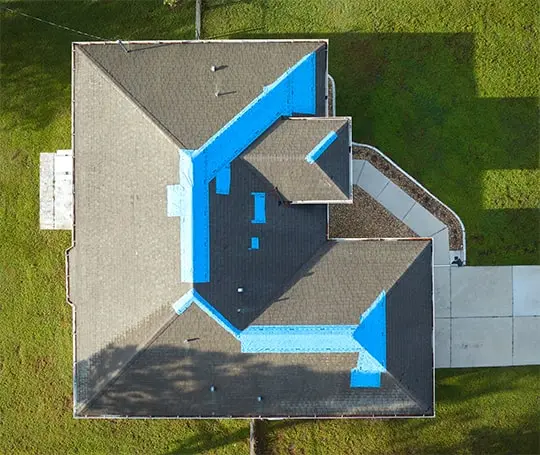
pixel 56 25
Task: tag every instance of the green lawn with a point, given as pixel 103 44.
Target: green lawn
pixel 447 89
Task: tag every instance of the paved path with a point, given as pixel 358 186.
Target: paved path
pixel 487 316
pixel 405 208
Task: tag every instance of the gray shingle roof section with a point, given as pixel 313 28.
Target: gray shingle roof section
pixel 173 378
pixel 409 327
pixel 341 281
pixel 289 238
pixel 280 156
pixel 123 272
pixel 124 268
pixel 175 84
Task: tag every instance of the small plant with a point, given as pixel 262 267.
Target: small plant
pixel 171 3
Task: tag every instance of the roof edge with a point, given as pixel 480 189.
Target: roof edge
pixel 84 405
pixel 276 40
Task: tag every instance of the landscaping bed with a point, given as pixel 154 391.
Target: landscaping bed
pixel 420 195
pixel 365 217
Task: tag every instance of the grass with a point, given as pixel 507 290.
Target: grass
pixel 447 89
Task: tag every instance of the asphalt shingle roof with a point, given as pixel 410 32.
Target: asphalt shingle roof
pixel 132 112
pixel 280 156
pixel 175 83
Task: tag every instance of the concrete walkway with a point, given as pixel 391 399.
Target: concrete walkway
pixel 484 316
pixel 405 208
pixel 487 316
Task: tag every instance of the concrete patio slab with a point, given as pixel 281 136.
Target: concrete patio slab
pixel 481 291
pixel 46 190
pixel 440 248
pixel 372 181
pixel 526 290
pixel 422 222
pixel 441 281
pixel 395 200
pixel 478 342
pixel 442 343
pixel 527 340
pixel 358 165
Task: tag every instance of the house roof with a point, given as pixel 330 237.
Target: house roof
pixel 175 85
pixel 279 155
pixel 190 269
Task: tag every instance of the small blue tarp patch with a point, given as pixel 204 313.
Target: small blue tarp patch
pixel 223 180
pixel 174 200
pixel 365 379
pixel 260 208
pixel 254 243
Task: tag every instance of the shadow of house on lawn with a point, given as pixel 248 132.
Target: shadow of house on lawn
pixel 414 96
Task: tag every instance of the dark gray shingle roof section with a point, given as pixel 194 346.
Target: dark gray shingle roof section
pixel 341 281
pixel 172 378
pixel 175 83
pixel 279 155
pixel 409 319
pixel 290 237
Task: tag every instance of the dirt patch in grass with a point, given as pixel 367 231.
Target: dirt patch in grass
pixel 42 363
pixel 365 217
pixel 416 192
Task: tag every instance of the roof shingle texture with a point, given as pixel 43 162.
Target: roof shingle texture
pixel 173 378
pixel 125 265
pixel 341 281
pixel 175 83
pixel 279 155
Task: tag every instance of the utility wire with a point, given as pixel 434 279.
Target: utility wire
pixel 55 25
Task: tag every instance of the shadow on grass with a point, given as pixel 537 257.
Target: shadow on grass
pixel 36 57
pixel 414 96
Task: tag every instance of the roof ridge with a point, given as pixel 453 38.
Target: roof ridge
pixel 141 348
pixel 129 96
pixel 416 401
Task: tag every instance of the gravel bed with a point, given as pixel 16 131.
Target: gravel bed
pixel 416 192
pixel 365 218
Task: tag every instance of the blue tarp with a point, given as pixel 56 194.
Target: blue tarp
pixel 321 147
pixel 259 201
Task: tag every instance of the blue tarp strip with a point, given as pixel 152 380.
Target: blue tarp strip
pixel 194 222
pixel 321 147
pixel 299 339
pixel 192 296
pixel 254 243
pixel 259 200
pixel 223 180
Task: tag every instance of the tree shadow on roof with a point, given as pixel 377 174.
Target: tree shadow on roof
pixel 176 381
